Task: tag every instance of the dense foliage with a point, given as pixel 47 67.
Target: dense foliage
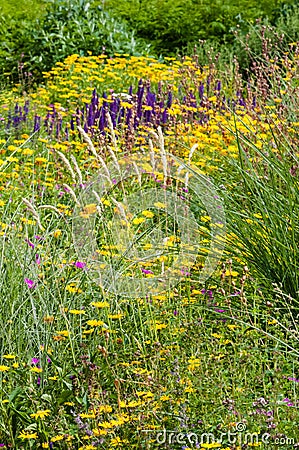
pixel 34 46
pixel 171 25
pixel 33 39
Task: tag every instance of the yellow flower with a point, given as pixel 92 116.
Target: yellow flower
pixel 25 435
pixel 104 409
pixel 9 356
pixel 164 398
pixel 4 368
pixel 105 202
pixel 193 363
pixel 105 424
pixel 138 220
pixel 159 205
pixel 148 214
pixel 40 414
pixel 77 311
pixel 90 331
pixel 88 415
pixel 36 369
pixel 99 432
pixel 57 233
pixel 145 394
pixel 232 326
pixel 272 322
pixel 115 316
pixel 160 326
pixel 57 438
pixel 73 289
pixel 116 442
pixel 100 304
pixel 64 333
pixel 232 273
pixel 95 323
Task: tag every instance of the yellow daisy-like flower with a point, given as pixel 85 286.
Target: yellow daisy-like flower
pixel 77 311
pixel 148 214
pixel 138 220
pixel 41 414
pixel 100 304
pixel 64 333
pixel 88 415
pixel 57 438
pixel 104 409
pixel 36 369
pixel 95 323
pixel 90 331
pixel 9 356
pixel 4 368
pixel 193 363
pixel 115 316
pixel 160 326
pixel 159 205
pixel 145 394
pixel 25 435
pixel 57 233
pixel 164 398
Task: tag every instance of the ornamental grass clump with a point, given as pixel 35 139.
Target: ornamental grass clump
pixel 262 189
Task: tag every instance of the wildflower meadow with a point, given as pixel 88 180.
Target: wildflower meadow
pixel 149 250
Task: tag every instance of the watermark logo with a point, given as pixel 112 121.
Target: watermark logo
pixel 238 436
pixel 144 221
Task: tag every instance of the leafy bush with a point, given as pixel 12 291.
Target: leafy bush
pixel 174 24
pixel 68 27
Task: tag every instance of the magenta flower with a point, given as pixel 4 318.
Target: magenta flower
pixel 37 259
pixel 29 243
pixel 30 283
pixel 146 271
pixel 80 265
pixel 293 379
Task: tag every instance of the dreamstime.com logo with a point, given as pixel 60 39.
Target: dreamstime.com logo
pixel 138 224
pixel 239 436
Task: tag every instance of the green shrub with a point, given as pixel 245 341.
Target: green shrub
pixel 67 27
pixel 173 24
